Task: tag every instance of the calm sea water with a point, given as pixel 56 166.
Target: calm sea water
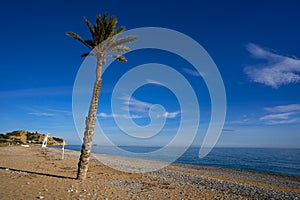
pixel 280 161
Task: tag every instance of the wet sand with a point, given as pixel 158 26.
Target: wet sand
pixel 40 173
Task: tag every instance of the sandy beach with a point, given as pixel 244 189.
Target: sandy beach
pixel 40 173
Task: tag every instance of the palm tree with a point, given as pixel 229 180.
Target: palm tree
pixel 104 33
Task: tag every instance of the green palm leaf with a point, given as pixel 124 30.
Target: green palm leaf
pixel 85 55
pixel 100 30
pixel 90 26
pixel 119 30
pixel 120 58
pixel 119 48
pixel 90 43
pixel 77 37
pixel 104 33
pixel 121 41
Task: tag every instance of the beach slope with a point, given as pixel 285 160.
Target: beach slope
pixel 40 173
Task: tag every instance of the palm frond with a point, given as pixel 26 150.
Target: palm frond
pixel 119 30
pixel 77 37
pixel 124 40
pixel 104 37
pixel 120 58
pixel 90 42
pixel 84 54
pixel 111 26
pixel 88 23
pixel 104 44
pixel 99 30
pixel 119 48
pixel 105 20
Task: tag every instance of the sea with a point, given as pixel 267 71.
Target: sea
pixel 273 160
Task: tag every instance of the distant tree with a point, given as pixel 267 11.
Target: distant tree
pixel 58 139
pixel 14 133
pixel 104 33
pixel 4 136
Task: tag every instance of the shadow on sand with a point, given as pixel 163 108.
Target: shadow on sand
pixel 38 173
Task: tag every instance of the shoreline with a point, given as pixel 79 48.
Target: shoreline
pixel 268 171
pixel 30 167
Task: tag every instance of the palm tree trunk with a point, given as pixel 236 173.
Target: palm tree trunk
pixel 90 126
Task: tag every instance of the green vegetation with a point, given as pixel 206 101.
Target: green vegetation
pixel 58 139
pixel 3 138
pixel 26 137
pixel 14 133
pixel 33 136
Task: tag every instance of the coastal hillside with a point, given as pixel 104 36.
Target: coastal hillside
pixel 26 137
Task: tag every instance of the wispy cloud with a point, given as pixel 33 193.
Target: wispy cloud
pixel 168 115
pixel 280 116
pixel 140 108
pixel 136 105
pixel 228 130
pixel 104 115
pixel 192 72
pixel 42 114
pixel 279 70
pixel 143 107
pixel 155 82
pixel 283 108
pixel 171 115
pixel 283 114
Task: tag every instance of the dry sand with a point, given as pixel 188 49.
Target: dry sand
pixel 36 173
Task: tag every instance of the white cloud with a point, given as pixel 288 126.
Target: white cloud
pixel 283 108
pixel 171 115
pixel 283 114
pixel 104 115
pixel 140 107
pixel 279 70
pixel 155 82
pixel 47 112
pixel 192 72
pixel 41 114
pixel 136 105
pixel 279 116
pixel 228 130
pixel 283 121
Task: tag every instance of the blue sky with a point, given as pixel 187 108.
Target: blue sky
pixel 255 45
